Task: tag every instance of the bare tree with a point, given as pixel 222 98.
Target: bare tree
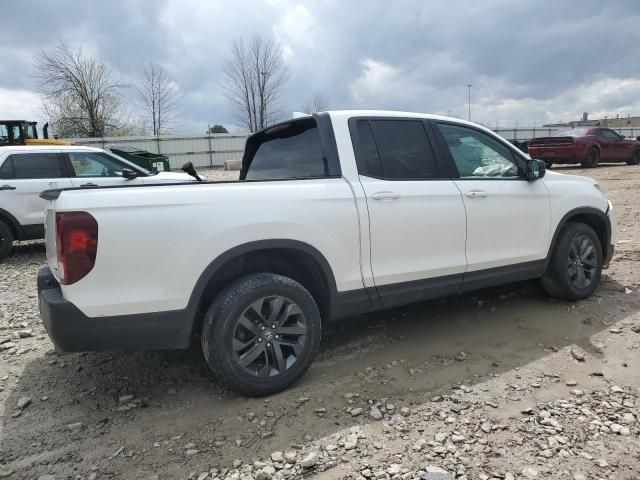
pixel 254 78
pixel 159 95
pixel 80 97
pixel 319 103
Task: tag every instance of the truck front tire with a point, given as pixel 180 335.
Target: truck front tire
pixel 576 263
pixel 261 334
pixel 635 158
pixel 6 240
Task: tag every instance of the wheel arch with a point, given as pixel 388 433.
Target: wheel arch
pixel 294 259
pixel 596 146
pixel 13 223
pixel 596 219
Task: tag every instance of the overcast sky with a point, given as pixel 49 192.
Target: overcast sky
pixel 528 60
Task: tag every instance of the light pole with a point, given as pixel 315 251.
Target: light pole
pixel 469 97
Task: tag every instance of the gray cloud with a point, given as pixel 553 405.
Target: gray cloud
pixel 532 60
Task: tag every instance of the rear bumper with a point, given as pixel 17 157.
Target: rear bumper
pixel 558 154
pixel 71 330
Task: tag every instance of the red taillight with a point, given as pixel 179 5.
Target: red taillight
pixel 76 245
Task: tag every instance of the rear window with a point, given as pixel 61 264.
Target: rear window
pixel 571 132
pixel 287 151
pixel 32 165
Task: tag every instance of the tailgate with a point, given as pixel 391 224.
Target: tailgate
pixel 50 239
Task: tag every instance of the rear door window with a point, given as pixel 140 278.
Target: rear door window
pixel 6 170
pixel 365 149
pixel 36 165
pixel 288 151
pixel 394 150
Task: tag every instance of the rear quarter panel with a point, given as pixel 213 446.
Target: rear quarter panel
pixel 155 242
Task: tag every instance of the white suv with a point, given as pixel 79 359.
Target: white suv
pixel 26 171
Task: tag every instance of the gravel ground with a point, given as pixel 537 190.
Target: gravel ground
pixel 500 384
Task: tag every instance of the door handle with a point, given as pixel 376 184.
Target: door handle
pixel 477 193
pixel 385 196
pixel 7 187
pixel 88 185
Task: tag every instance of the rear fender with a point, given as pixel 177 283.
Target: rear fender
pixel 13 223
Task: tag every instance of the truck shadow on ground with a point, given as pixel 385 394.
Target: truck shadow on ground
pixel 404 355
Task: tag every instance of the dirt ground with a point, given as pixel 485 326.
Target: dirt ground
pixel 503 383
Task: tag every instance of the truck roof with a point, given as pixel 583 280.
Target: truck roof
pixel 393 113
pixel 344 115
pixel 40 148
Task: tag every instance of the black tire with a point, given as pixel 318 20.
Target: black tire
pixel 635 159
pixel 576 263
pixel 6 240
pixel 592 159
pixel 549 165
pixel 234 332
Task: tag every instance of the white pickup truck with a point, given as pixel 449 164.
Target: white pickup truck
pixel 336 214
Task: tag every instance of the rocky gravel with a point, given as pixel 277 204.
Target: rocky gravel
pixel 499 384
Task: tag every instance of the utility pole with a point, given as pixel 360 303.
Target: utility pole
pixel 469 99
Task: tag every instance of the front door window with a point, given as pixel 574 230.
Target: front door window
pixel 477 155
pixel 90 164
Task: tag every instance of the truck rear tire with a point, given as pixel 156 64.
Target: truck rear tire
pixel 261 334
pixel 576 263
pixel 6 240
pixel 592 159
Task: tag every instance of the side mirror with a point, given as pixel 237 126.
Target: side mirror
pixel 128 174
pixel 536 169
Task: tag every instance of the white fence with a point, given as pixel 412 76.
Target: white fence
pixel 214 150
pixel 202 151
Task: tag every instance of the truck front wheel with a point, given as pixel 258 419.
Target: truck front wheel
pixel 261 334
pixel 635 158
pixel 575 265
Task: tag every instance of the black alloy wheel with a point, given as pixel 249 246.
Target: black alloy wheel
pixel 269 336
pixel 261 333
pixel 582 261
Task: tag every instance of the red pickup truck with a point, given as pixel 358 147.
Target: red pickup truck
pixel 585 145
